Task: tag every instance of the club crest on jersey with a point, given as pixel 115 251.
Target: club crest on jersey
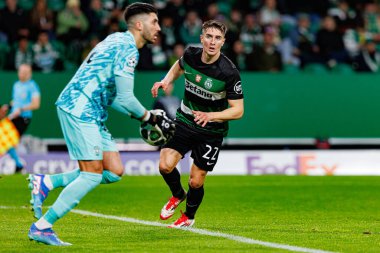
pixel 208 83
pixel 198 78
pixel 237 88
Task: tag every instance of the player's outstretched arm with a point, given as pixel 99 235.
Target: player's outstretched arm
pixel 125 100
pixel 3 111
pixel 235 111
pixel 173 74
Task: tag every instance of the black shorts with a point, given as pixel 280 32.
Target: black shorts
pixel 204 148
pixel 21 124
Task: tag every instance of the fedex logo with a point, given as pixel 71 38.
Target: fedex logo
pixel 304 164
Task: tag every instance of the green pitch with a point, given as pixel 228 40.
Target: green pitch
pixel 338 214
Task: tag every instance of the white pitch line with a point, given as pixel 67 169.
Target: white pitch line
pixel 205 232
pixel 197 231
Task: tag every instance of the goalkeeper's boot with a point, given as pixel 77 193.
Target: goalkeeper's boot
pixel 183 222
pixel 46 236
pixel 39 192
pixel 168 210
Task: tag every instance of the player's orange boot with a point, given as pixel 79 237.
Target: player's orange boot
pixel 183 222
pixel 169 208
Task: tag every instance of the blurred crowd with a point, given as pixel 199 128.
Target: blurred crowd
pixel 264 35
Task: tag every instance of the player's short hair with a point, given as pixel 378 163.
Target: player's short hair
pixel 138 8
pixel 215 24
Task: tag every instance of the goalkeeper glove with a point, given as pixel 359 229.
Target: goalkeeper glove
pixel 159 118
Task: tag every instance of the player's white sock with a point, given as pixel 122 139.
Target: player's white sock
pixel 43 224
pixel 48 183
pixel 61 180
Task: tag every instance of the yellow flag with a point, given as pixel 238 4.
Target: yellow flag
pixel 9 136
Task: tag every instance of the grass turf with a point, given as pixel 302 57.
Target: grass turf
pixel 339 214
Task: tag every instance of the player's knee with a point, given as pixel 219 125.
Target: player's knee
pixel 110 177
pixel 98 170
pixel 118 171
pixel 165 168
pixel 195 184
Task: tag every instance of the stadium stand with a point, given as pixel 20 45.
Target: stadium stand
pixel 350 23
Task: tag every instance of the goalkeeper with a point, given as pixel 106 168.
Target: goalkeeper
pixel 105 78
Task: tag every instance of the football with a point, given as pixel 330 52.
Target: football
pixel 153 134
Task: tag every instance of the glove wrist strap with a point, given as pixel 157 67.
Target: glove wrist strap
pixel 146 117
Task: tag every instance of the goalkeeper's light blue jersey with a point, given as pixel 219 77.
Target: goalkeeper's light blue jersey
pixel 92 89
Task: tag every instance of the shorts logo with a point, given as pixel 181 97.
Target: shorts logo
pixel 198 78
pixel 237 88
pixel 97 150
pixel 208 83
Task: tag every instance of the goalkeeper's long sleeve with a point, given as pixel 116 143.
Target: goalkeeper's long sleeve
pixel 125 100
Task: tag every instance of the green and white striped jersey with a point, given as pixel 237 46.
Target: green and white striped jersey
pixel 208 87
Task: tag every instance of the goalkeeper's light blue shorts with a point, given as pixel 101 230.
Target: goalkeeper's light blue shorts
pixel 85 140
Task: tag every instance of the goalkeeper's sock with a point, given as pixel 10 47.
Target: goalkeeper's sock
pixel 61 179
pixel 173 180
pixel 108 177
pixel 12 152
pixel 43 224
pixel 71 195
pixel 194 200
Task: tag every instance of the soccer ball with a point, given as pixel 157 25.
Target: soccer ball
pixel 153 135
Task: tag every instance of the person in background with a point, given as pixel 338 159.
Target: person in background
pixel 177 53
pixel 269 15
pixel 237 55
pixel 44 54
pixel 369 58
pixel 14 21
pixel 191 28
pixel 97 18
pixel 42 19
pixel 250 34
pixel 168 33
pixel 72 24
pixel 23 54
pixel 159 55
pixel 168 102
pixel 26 98
pixel 265 57
pixel 302 40
pixel 329 43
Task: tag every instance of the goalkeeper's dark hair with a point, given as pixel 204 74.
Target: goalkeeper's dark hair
pixel 215 24
pixel 138 8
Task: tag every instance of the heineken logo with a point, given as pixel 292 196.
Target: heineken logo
pixel 208 83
